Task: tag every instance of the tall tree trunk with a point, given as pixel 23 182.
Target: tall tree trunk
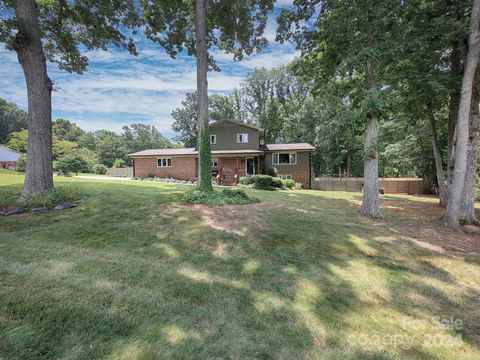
pixel 204 181
pixel 467 205
pixel 442 188
pixel 371 198
pixel 456 70
pixel 29 49
pixel 349 165
pixel 451 217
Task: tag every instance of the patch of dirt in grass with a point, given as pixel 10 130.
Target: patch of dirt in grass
pixel 425 225
pixel 237 219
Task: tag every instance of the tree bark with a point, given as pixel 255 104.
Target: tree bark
pixel 442 188
pixel 371 198
pixel 467 205
pixel 456 70
pixel 29 49
pixel 202 84
pixel 451 217
pixel 349 165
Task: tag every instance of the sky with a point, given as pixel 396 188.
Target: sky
pixel 120 89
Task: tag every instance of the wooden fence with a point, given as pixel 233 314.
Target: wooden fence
pixel 126 172
pixel 388 185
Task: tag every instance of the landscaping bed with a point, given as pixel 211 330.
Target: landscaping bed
pixel 62 198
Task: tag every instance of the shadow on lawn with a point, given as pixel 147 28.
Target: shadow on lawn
pixel 134 274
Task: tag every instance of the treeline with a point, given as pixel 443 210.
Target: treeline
pixel 77 150
pixel 292 109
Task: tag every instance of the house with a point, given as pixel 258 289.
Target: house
pixel 238 149
pixel 8 158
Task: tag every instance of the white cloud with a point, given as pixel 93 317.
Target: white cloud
pixel 120 89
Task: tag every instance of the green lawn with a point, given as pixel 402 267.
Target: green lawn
pixel 135 274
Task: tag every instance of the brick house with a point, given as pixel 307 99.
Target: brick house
pixel 238 149
pixel 8 158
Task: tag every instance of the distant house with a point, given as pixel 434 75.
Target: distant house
pixel 238 149
pixel 8 158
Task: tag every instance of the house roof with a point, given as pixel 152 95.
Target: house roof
pixel 193 152
pixel 221 122
pixel 280 147
pixel 8 155
pixel 235 152
pixel 190 151
pixel 162 152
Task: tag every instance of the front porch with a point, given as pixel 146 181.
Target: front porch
pixel 227 170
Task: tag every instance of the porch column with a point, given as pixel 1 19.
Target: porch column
pixel 220 171
pixel 236 171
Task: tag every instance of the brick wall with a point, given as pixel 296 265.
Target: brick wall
pixel 229 165
pixel 183 168
pixel 301 177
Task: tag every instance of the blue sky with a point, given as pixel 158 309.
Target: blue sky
pixel 119 89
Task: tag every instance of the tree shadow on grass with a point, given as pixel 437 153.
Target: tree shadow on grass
pixel 134 274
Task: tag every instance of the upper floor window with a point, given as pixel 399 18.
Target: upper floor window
pixel 164 162
pixel 284 158
pixel 242 138
pixel 213 139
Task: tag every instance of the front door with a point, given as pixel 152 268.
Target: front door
pixel 250 168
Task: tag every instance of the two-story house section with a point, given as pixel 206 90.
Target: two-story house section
pixel 238 149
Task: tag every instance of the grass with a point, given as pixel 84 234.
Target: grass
pixel 133 273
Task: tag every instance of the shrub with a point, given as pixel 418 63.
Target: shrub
pixel 271 171
pixel 70 163
pixel 266 182
pixel 21 163
pixel 118 163
pixel 298 186
pixel 99 169
pixel 289 183
pixel 245 180
pixel 278 183
pixel 217 198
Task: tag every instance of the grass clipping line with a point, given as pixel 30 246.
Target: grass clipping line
pixel 218 198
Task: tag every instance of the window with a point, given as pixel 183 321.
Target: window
pixel 164 162
pixel 242 138
pixel 284 158
pixel 285 177
pixel 214 162
pixel 213 139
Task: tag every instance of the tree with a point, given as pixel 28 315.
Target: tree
pixel 70 163
pixel 349 40
pixel 452 214
pixel 12 118
pixel 234 26
pixel 185 117
pixel 139 137
pixel 54 31
pixel 19 141
pixel 87 140
pixel 467 207
pixel 109 147
pixel 67 130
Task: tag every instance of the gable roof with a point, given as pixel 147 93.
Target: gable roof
pixel 7 154
pixel 220 122
pixel 280 147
